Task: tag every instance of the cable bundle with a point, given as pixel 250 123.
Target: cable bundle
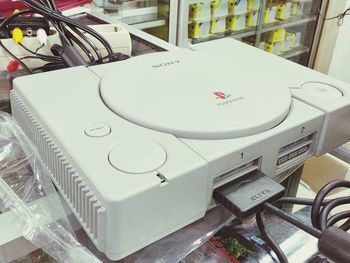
pixel 71 33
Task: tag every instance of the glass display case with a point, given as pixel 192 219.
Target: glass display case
pixel 203 20
pixel 288 28
pixel 157 17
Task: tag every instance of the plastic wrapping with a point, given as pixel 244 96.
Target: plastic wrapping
pixel 176 246
pixel 27 191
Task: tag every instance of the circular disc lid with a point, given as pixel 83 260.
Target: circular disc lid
pixel 192 95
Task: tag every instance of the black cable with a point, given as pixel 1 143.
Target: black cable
pixel 87 40
pixel 49 66
pixel 323 217
pixel 319 199
pixel 299 201
pixel 82 46
pixel 270 241
pixel 337 217
pixel 38 54
pixel 340 17
pixel 9 18
pixel 70 24
pixel 57 24
pixel 2 27
pixel 24 66
pixel 116 57
pixel 40 47
pixel 346 225
pixel 51 14
pixel 69 31
pixel 35 57
pixel 294 221
pixel 320 212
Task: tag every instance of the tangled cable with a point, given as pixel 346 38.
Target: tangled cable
pixel 320 215
pixel 340 17
pixel 71 34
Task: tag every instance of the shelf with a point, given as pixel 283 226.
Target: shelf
pixel 124 5
pixel 149 24
pixel 140 17
pixel 207 19
pixel 233 34
pixel 252 30
pixel 295 52
pixel 295 21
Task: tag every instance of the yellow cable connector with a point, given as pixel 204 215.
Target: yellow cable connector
pixel 16 11
pixel 17 35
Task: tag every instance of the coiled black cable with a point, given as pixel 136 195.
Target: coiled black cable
pixel 320 214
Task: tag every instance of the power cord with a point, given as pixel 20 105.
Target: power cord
pixel 340 17
pixel 255 193
pixel 332 240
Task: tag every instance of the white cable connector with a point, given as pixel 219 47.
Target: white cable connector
pixel 41 36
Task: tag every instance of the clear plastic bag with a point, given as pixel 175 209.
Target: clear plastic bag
pixel 176 246
pixel 27 191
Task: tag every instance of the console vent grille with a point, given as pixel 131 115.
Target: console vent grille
pixel 86 207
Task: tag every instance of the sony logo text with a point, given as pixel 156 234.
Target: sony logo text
pixel 166 64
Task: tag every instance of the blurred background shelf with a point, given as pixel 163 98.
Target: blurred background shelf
pixel 295 21
pixel 301 18
pixel 188 22
pixel 295 52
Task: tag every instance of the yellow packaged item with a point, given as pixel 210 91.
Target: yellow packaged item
pixel 161 32
pixel 270 14
pixel 240 7
pixel 274 48
pixel 219 8
pixel 283 11
pixel 253 4
pixel 231 23
pixel 250 40
pixel 199 30
pixel 231 6
pixel 294 9
pixel 297 39
pixel 277 35
pixel 290 39
pixel 262 45
pixel 200 10
pixel 218 25
pixel 284 46
pixel 252 18
pixel 163 9
pixel 235 23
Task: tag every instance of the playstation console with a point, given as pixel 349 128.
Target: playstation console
pixel 137 147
